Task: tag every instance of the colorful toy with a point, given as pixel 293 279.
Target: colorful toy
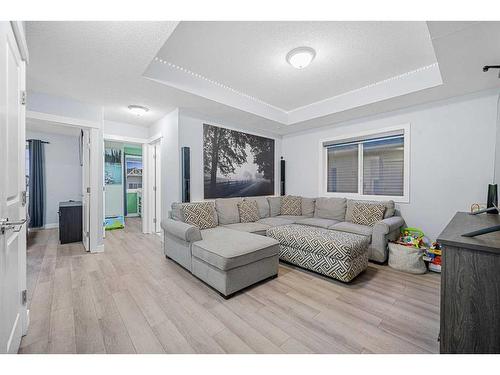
pixel 412 237
pixel 115 222
pixel 433 256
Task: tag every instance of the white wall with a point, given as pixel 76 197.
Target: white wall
pixel 168 126
pixel 62 106
pixel 63 173
pixel 191 135
pixel 452 157
pixel 122 129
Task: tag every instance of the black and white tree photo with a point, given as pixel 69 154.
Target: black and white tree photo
pixel 236 164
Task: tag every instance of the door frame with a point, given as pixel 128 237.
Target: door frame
pixel 154 159
pixel 145 172
pixel 96 227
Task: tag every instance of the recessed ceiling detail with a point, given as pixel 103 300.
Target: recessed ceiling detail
pixel 356 63
pixel 250 66
pixel 184 79
pixel 199 76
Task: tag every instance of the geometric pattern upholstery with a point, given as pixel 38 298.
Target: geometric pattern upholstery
pixel 367 213
pixel 200 214
pixel 249 211
pixel 291 205
pixel 343 270
pixel 336 254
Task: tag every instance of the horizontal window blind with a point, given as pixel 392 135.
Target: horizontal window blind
pixel 379 158
pixel 383 167
pixel 342 173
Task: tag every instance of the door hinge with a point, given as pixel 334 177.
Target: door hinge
pixel 154 188
pixel 88 190
pixel 87 234
pixel 23 97
pixel 24 297
pixel 154 221
pixel 23 198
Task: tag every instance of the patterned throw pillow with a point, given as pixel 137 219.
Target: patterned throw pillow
pixel 249 211
pixel 200 214
pixel 367 213
pixel 291 205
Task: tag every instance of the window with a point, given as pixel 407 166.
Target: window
pixel 343 169
pixel 368 165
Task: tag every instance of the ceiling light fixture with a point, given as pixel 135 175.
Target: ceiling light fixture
pixel 300 57
pixel 138 110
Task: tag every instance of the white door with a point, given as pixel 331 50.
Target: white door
pixel 86 188
pixel 13 313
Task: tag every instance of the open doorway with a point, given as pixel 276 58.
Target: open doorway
pixel 123 174
pixel 57 177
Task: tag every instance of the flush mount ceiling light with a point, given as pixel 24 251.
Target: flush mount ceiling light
pixel 138 110
pixel 300 57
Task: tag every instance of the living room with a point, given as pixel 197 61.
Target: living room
pixel 254 186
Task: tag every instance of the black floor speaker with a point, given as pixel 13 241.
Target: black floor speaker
pixel 186 174
pixel 282 177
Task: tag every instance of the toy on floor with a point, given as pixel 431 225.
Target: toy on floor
pixel 114 222
pixel 433 256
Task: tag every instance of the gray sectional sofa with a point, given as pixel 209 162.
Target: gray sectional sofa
pixel 234 255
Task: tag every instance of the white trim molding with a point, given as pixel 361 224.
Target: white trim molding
pixel 405 198
pixel 20 36
pixel 167 73
pixel 121 138
pixel 67 121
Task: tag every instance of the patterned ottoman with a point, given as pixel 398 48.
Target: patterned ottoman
pixel 336 254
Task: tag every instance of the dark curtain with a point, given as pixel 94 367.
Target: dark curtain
pixel 36 183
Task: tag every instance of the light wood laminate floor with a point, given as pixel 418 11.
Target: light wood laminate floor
pixel 130 299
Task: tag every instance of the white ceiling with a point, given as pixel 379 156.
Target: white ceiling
pixel 99 63
pixel 106 63
pixel 250 56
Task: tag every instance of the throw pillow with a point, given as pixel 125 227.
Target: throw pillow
pixel 200 214
pixel 249 211
pixel 291 205
pixel 367 213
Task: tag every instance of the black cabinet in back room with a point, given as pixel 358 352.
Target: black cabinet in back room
pixel 70 222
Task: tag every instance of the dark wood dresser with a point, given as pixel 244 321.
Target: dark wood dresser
pixel 70 222
pixel 470 286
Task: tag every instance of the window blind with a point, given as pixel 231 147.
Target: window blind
pixel 379 158
pixel 383 167
pixel 342 173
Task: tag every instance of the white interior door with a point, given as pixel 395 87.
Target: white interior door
pixel 13 313
pixel 86 189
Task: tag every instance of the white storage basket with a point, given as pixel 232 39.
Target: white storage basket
pixel 406 258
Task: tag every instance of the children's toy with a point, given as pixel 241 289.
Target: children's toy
pixel 412 237
pixel 114 222
pixel 406 254
pixel 433 256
